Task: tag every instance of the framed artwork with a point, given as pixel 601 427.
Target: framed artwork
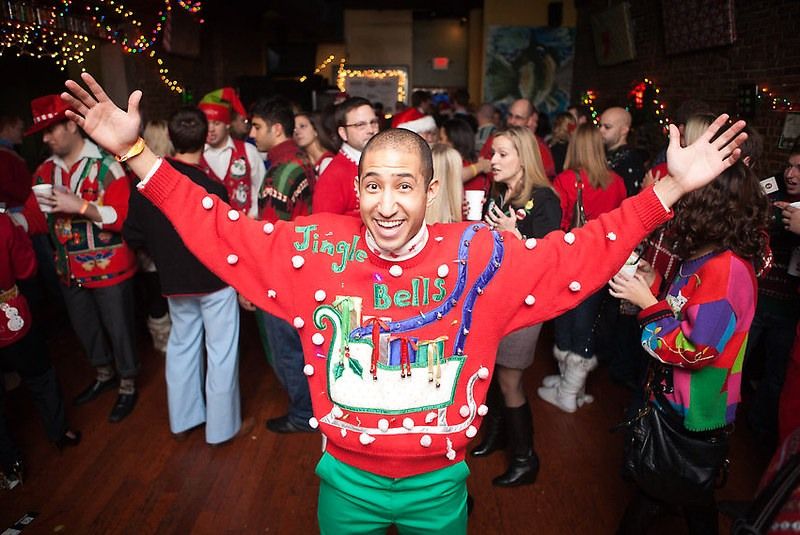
pixel 532 63
pixel 790 132
pixel 697 24
pixel 613 37
pixel 386 85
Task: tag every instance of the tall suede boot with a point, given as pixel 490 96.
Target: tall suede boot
pixel 524 466
pixel 159 329
pixel 494 428
pixel 564 395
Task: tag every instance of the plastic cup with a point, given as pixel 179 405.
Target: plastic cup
pixel 631 265
pixel 43 190
pixel 474 204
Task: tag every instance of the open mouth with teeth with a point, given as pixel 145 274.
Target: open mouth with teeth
pixel 389 224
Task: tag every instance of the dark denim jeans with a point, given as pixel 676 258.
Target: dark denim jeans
pixel 575 329
pixel 287 361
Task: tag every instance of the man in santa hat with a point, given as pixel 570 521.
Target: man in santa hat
pixel 419 123
pixel 232 162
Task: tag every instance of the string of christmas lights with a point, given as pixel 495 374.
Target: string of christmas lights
pixel 587 99
pixel 319 68
pixel 776 102
pixel 378 74
pixel 52 32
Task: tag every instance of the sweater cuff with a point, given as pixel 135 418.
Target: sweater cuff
pixel 158 185
pixel 651 210
pixel 655 312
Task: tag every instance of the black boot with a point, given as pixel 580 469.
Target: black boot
pixel 524 465
pixel 494 434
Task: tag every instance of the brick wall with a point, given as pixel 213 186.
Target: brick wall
pixel 766 52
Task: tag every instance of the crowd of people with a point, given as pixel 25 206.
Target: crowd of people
pixel 575 224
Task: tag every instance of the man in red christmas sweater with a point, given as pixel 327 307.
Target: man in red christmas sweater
pixel 399 321
pixel 336 191
pixel 86 208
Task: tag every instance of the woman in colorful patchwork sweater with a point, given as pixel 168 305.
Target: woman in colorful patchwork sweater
pixel 399 321
pixel 698 332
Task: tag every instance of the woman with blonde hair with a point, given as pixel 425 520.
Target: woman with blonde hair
pixel 156 136
pixel 446 206
pixel 602 191
pixel 527 206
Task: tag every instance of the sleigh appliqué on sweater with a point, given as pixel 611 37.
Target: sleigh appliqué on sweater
pixel 351 384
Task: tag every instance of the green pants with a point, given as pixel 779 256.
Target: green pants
pixel 352 501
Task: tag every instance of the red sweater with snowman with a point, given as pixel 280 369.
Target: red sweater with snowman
pixel 399 354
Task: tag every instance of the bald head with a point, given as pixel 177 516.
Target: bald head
pixel 523 113
pixel 615 123
pixel 404 141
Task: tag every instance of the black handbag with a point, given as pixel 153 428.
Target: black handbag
pixel 578 213
pixel 667 461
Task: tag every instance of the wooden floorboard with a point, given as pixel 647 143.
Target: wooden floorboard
pixel 133 477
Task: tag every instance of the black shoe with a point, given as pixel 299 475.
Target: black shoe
pixel 524 465
pixel 94 390
pixel 282 424
pixel 522 471
pixel 494 437
pixel 14 474
pixel 494 434
pixel 67 441
pixel 123 407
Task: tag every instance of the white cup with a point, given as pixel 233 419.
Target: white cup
pixel 43 189
pixel 631 264
pixel 474 203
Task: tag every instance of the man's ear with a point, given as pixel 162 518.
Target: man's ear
pixel 342 133
pixel 433 191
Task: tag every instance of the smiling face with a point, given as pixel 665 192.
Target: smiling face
pixel 393 196
pixel 506 164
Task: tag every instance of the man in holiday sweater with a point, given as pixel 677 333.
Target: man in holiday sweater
pixel 87 208
pixel 615 125
pixel 232 162
pixel 399 335
pixel 203 309
pixel 336 191
pixel 286 194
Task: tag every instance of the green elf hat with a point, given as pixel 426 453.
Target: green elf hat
pixel 218 104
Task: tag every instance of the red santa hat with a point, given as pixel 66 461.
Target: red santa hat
pixel 217 105
pixel 46 111
pixel 413 119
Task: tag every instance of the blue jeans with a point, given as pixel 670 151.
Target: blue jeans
pixel 215 318
pixel 575 329
pixel 288 362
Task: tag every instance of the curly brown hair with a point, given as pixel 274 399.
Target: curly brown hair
pixel 731 212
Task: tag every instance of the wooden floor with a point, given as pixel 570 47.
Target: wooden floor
pixel 133 477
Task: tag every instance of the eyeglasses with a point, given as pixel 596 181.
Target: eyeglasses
pixel 362 125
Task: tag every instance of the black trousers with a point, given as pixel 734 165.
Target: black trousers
pixel 28 357
pixel 103 317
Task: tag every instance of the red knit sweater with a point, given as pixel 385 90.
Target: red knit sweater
pixel 450 305
pixel 335 190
